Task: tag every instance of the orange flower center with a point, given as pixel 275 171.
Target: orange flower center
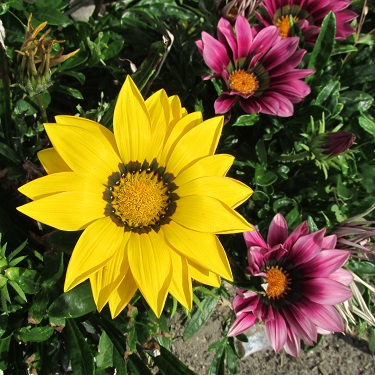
pixel 139 199
pixel 277 282
pixel 283 24
pixel 243 82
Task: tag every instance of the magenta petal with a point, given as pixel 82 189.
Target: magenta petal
pixel 329 242
pixel 226 36
pixel 325 291
pixel 199 44
pixel 264 40
pixel 276 332
pixel 224 103
pixel 300 324
pixel 293 344
pixel 245 305
pixel 280 52
pixel 278 231
pixel 214 53
pixel 254 238
pixel 325 263
pixel 323 316
pixel 301 230
pixel 255 256
pixel 250 105
pixel 241 324
pixel 306 247
pixel 342 276
pixel 244 36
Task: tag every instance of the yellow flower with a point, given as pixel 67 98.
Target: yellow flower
pixel 151 198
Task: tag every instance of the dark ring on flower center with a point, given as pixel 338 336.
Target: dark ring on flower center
pixel 140 197
pixel 294 287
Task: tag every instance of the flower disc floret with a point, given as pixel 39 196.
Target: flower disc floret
pixel 140 197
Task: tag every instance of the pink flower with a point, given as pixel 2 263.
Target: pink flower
pixel 302 280
pixel 308 14
pixel 259 69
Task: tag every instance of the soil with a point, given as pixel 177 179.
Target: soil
pixel 336 354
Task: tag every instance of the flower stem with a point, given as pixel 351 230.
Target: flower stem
pixel 42 109
pixel 295 157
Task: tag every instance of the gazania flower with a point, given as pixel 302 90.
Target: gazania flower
pixel 302 280
pixel 308 14
pixel 259 70
pixel 150 197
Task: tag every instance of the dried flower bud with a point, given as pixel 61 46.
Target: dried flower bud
pixel 231 9
pixel 333 144
pixel 337 143
pixel 35 59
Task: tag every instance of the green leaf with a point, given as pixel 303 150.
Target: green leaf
pixel 200 317
pixel 356 101
pixel 18 289
pixel 231 360
pixel 7 152
pixel 367 124
pixel 135 366
pixel 264 177
pixel 169 364
pixel 69 91
pixel 105 357
pixel 371 340
pixel 324 44
pixel 363 268
pixel 73 304
pixel 359 74
pixel 261 152
pixel 247 120
pixel 4 352
pixel 52 15
pixel 81 357
pixel 35 334
pixel 217 364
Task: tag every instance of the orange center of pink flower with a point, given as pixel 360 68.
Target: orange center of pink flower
pixel 283 24
pixel 277 282
pixel 243 82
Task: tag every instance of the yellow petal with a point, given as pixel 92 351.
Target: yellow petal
pixel 159 110
pixel 58 183
pixel 86 152
pixel 52 162
pixel 122 295
pixel 150 264
pixel 89 125
pixel 203 275
pixel 203 249
pixel 201 141
pixel 96 246
pixel 227 190
pixel 72 210
pixel 180 286
pixel 107 279
pixel 205 214
pixel 182 127
pixel 213 165
pixel 131 124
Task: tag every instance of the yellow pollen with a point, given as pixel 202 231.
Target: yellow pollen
pixel 277 282
pixel 283 24
pixel 243 82
pixel 140 199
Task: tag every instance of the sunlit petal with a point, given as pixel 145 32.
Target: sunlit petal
pixel 131 124
pixel 94 249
